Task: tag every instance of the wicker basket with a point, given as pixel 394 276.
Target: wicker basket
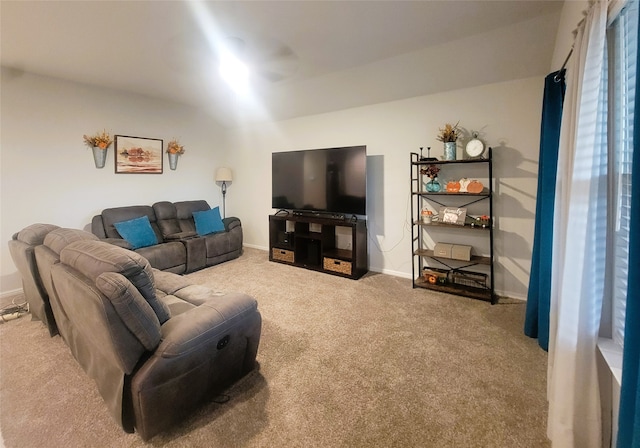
pixel 283 255
pixel 332 264
pixel 473 279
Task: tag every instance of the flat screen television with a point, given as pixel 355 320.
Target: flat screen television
pixel 329 180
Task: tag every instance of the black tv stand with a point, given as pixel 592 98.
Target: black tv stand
pixel 320 242
pixel 325 215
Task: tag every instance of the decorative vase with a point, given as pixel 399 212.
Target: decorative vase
pixel 433 186
pixel 450 150
pixel 173 161
pixel 99 156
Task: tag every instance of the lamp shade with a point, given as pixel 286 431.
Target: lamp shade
pixel 223 174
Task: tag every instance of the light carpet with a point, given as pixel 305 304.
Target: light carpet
pixel 343 363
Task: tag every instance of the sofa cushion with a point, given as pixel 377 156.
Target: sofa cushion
pixel 109 216
pixel 93 258
pixel 182 288
pixel 169 256
pixel 133 309
pixel 218 244
pixel 169 282
pixel 208 221
pixel 167 218
pixel 185 209
pixel 137 232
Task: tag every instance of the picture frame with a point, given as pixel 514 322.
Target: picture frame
pixel 453 215
pixel 138 155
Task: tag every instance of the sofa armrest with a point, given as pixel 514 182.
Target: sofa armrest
pixel 97 227
pixel 231 223
pixel 180 236
pixel 196 253
pixel 204 325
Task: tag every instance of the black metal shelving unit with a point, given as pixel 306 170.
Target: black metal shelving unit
pixel 423 257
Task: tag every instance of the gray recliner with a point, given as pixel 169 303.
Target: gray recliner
pixel 155 344
pixel 21 247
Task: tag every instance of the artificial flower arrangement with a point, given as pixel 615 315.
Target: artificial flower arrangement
pixel 100 140
pixel 173 147
pixel 449 133
pixel 431 171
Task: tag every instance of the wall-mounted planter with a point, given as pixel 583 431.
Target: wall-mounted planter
pixel 99 156
pixel 173 161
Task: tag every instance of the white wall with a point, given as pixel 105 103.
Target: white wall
pixel 48 175
pixel 569 17
pixel 508 114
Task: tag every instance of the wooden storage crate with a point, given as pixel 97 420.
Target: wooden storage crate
pixel 332 264
pixel 283 255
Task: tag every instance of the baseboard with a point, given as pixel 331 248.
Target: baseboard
pixel 517 299
pixel 254 246
pixel 391 272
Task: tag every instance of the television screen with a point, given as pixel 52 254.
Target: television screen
pixel 332 180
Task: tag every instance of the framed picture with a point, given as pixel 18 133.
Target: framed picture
pixel 451 215
pixel 137 155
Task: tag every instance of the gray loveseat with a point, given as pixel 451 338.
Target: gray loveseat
pixel 179 248
pixel 155 344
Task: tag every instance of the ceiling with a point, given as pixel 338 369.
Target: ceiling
pixel 307 57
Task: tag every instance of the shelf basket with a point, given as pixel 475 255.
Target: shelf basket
pixel 335 265
pixel 283 255
pixel 473 279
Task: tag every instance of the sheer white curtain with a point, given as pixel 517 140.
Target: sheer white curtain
pixel 579 238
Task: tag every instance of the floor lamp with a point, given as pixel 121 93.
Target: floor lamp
pixel 223 174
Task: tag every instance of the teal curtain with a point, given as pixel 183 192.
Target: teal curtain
pixel 536 323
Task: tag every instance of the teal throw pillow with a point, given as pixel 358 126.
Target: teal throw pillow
pixel 137 232
pixel 208 221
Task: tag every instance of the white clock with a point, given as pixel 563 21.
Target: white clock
pixel 474 148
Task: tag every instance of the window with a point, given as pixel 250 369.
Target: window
pixel 623 85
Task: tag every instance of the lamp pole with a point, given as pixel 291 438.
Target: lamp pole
pixel 224 175
pixel 224 195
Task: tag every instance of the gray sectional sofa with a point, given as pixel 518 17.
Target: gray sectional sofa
pixel 156 344
pixel 179 249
